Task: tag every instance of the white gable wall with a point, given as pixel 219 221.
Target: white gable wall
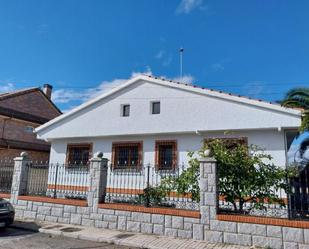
pixel 181 112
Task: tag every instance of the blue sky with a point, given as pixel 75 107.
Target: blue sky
pixel 257 48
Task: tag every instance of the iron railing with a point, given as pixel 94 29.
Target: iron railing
pixel 274 209
pixel 57 180
pixel 143 185
pixel 299 195
pixel 295 200
pixel 6 175
pixel 36 176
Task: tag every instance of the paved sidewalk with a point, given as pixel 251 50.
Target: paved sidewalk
pixel 137 240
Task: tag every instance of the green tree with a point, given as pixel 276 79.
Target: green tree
pixel 187 183
pixel 246 174
pixel 299 98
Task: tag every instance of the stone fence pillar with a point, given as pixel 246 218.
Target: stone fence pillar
pixel 97 181
pixel 20 176
pixel 208 191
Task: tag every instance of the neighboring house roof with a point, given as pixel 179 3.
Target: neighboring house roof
pixel 4 96
pixel 17 92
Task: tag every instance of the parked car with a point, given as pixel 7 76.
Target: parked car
pixel 7 213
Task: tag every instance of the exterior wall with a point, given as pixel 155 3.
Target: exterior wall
pixel 13 129
pixel 271 140
pixel 181 112
pixel 16 130
pixel 34 103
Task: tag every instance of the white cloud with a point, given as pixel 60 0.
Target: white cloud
pixel 160 54
pixel 188 79
pixel 6 87
pixel 167 61
pixel 254 89
pixel 67 95
pixel 217 67
pixel 42 29
pixel 164 58
pixel 186 6
pixel 70 96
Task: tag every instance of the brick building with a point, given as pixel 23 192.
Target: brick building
pixel 20 112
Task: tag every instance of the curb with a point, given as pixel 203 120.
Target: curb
pixel 27 226
pixel 89 237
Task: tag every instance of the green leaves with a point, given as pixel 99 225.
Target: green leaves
pixel 299 98
pixel 245 173
pixel 245 177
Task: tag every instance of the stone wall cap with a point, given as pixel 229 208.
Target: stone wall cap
pixel 23 155
pixel 208 159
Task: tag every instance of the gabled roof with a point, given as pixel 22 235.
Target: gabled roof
pixel 178 85
pixel 16 93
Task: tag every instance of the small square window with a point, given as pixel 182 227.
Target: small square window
pixel 29 129
pixel 126 110
pixel 155 107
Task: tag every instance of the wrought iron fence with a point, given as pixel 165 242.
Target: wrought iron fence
pixel 292 203
pixel 6 175
pixel 57 180
pixel 274 209
pixel 299 196
pixel 146 185
pixel 36 175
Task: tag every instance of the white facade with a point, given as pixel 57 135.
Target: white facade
pixel 272 140
pixel 188 115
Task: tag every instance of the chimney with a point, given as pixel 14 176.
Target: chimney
pixel 47 89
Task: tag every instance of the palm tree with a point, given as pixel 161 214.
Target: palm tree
pixel 299 98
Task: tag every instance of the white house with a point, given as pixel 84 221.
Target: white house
pixel 157 121
pixel 147 111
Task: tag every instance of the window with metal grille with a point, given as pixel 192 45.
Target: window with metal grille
pixel 155 107
pixel 127 155
pixel 125 110
pixel 78 153
pixel 166 155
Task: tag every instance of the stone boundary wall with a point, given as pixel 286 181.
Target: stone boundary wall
pixel 159 224
pixel 241 233
pixel 276 234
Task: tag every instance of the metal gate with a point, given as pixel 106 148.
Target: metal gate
pixel 6 176
pixel 299 196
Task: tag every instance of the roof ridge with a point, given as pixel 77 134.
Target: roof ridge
pixel 209 89
pixel 7 94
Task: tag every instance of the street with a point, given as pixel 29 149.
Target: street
pixel 13 238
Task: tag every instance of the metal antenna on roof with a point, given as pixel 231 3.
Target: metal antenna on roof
pixel 181 66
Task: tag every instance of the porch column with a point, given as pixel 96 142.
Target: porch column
pixel 208 190
pixel 20 176
pixel 97 181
